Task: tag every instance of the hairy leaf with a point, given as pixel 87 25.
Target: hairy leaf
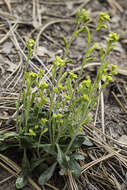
pixel 46 175
pixel 49 148
pixel 77 156
pixel 21 182
pixel 62 158
pixel 87 142
pixel 75 167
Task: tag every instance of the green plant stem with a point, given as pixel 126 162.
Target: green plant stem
pixel 70 144
pixel 22 84
pixel 67 51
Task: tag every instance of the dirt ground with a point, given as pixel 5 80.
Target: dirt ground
pixel 46 21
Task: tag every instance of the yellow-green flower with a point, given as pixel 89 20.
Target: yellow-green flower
pixel 86 83
pixel 43 121
pixel 59 61
pixel 41 73
pixel 33 75
pixel 43 85
pixel 36 126
pixel 72 75
pixel 82 16
pixel 85 97
pixel 105 71
pixel 61 87
pixel 114 67
pixel 30 43
pixel 104 17
pixel 113 37
pixel 44 100
pixel 31 132
pixel 57 116
pixel 109 78
pixel 56 90
pixel 54 116
pixel 113 73
pixel 67 97
pixel 61 121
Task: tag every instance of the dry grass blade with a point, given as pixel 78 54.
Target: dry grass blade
pixel 8 98
pixel 72 182
pixel 6 179
pixel 34 184
pixel 15 170
pixel 8 169
pixel 17 71
pixel 39 60
pixel 114 157
pixel 89 165
pixel 84 3
pixel 19 48
pixel 17 77
pixel 91 129
pixel 36 14
pixel 51 186
pixel 97 109
pixel 8 3
pixel 119 102
pixel 61 2
pixel 122 70
pixel 115 5
pixel 119 70
pixel 3 131
pixel 45 26
pixel 7 103
pixel 4 118
pixel 116 182
pixel 7 16
pixel 102 112
pixel 12 1
pixel 121 91
pixel 10 163
pixel 117 173
pixel 7 108
pixel 8 34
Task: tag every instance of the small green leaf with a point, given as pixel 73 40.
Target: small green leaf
pixel 46 175
pixel 75 167
pixel 49 148
pixel 60 155
pixel 21 182
pixel 102 53
pixel 62 77
pixel 62 158
pixel 10 134
pixel 87 142
pixel 91 49
pixel 88 34
pixel 77 156
pixel 31 132
pixel 36 162
pixel 6 145
pixel 77 32
pixel 26 164
pixel 78 142
pixel 66 44
pixel 69 87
